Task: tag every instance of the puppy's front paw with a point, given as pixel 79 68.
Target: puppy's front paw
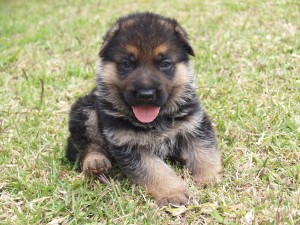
pixel 174 198
pixel 95 163
pixel 171 191
pixel 203 180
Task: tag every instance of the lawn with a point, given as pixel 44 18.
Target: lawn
pixel 248 72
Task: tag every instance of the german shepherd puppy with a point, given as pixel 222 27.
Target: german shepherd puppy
pixel 144 110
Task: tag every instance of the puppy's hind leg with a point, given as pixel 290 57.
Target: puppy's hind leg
pixel 94 162
pixel 85 143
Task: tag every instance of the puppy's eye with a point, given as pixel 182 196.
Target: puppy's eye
pixel 165 65
pixel 127 65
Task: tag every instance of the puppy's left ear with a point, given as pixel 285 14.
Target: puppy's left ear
pixel 184 38
pixel 108 37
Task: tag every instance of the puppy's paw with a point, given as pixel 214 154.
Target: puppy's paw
pixel 176 198
pixel 95 163
pixel 172 191
pixel 202 180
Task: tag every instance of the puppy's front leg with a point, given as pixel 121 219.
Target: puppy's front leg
pixel 153 174
pixel 201 154
pixel 204 162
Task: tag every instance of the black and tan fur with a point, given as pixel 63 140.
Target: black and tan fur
pixel 140 52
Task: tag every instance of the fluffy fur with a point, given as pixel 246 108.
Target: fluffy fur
pixel 145 60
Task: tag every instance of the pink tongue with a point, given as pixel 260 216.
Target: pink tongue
pixel 145 113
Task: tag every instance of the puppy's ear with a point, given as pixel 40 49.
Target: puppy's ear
pixel 184 38
pixel 108 37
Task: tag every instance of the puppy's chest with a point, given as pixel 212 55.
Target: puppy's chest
pixel 162 141
pixel 157 142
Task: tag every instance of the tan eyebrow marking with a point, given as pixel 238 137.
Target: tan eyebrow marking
pixel 161 49
pixel 130 49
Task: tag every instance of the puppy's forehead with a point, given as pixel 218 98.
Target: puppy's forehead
pixel 146 29
pixel 146 34
pixel 155 52
pixel 146 21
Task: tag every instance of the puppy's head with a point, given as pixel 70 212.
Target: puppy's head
pixel 145 64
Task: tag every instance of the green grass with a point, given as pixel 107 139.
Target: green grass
pixel 248 70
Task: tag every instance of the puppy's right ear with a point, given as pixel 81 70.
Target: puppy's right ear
pixel 108 37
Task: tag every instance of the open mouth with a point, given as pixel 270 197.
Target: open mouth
pixel 145 113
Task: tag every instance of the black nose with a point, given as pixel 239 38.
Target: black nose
pixel 146 95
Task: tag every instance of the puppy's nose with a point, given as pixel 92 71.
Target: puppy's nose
pixel 146 95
